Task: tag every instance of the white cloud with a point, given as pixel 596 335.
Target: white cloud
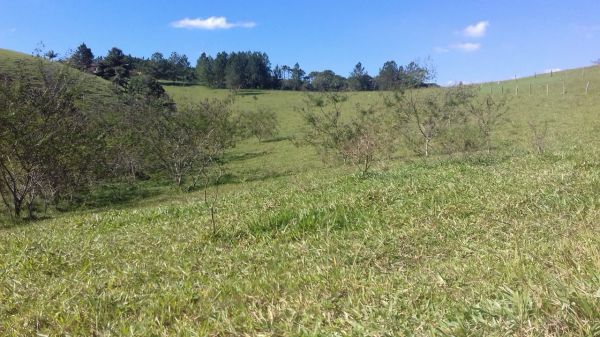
pixel 466 47
pixel 441 50
pixel 477 30
pixel 211 23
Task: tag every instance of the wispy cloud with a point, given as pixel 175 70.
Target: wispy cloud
pixel 211 23
pixel 12 30
pixel 476 30
pixel 466 47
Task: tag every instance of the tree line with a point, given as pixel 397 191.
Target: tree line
pixel 246 70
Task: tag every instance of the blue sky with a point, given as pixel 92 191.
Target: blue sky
pixel 505 38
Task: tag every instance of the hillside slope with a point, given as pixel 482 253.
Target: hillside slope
pixel 572 119
pixel 97 92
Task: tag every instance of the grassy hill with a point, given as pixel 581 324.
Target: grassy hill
pixel 98 93
pixel 572 118
pixel 500 244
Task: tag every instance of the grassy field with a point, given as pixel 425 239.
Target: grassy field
pixel 494 245
pixel 572 119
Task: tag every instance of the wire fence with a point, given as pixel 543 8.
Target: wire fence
pixel 584 82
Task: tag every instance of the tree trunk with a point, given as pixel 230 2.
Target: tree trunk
pixel 30 210
pixel 17 207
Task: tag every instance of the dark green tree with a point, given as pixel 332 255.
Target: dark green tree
pixel 359 79
pixel 204 70
pixel 179 68
pixel 236 76
pixel 277 77
pixel 114 67
pixel 82 58
pixel 326 81
pixel 389 76
pixel 220 69
pixel 297 78
pixel 258 69
pixel 159 66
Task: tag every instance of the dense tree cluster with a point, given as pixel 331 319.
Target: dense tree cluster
pixel 393 77
pixel 245 70
pixel 175 68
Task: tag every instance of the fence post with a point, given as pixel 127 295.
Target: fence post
pixel 587 87
pixel 517 90
pixel 564 89
pixel 529 89
pixel 547 89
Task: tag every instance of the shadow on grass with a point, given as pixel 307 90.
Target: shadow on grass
pixel 178 84
pixel 115 195
pixel 244 156
pixel 231 179
pixel 8 222
pixel 277 139
pixel 249 92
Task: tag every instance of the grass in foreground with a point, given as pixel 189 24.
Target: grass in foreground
pixel 477 246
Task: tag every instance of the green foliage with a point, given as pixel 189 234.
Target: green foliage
pixel 204 70
pixel 47 143
pixel 423 118
pixel 357 140
pixel 487 112
pixel 326 81
pixel 394 77
pixel 82 58
pixel 238 70
pixel 145 86
pixel 114 67
pixel 159 66
pixel 179 68
pixel 187 141
pixel 261 123
pixel 446 121
pixel 359 79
